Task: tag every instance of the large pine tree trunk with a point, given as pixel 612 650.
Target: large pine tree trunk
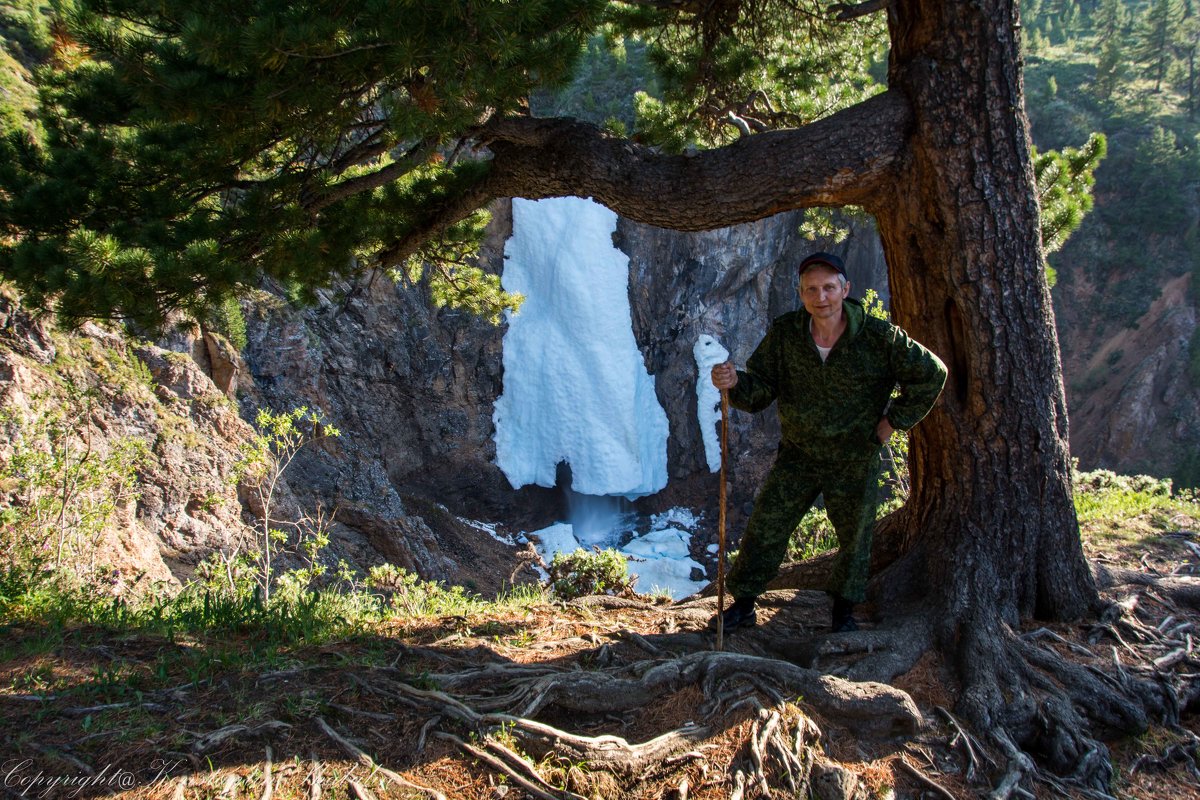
pixel 989 533
pixel 990 524
pixel 991 514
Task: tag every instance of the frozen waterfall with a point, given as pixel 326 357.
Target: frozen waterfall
pixel 575 384
pixel 577 398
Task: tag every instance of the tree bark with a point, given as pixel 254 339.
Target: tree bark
pixel 991 518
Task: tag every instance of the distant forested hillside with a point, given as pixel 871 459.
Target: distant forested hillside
pixel 1127 69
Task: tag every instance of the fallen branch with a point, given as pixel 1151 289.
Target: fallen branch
pixel 218 737
pixel 548 793
pixel 925 779
pixel 641 642
pixel 368 762
pixel 268 787
pixel 315 778
pixel 1170 659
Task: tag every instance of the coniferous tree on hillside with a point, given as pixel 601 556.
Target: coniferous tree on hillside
pixel 1110 24
pixel 1157 35
pixel 1187 45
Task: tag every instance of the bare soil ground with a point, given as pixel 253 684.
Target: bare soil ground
pixel 600 698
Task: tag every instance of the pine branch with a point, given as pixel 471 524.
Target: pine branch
pixel 840 160
pixel 416 157
pixel 845 12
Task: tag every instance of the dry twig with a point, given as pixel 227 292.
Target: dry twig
pixel 920 775
pixel 368 762
pixel 316 774
pixel 268 787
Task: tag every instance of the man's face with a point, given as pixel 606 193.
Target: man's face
pixel 823 290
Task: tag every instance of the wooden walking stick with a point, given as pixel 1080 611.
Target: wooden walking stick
pixel 721 523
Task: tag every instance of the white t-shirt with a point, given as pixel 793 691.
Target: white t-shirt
pixel 823 351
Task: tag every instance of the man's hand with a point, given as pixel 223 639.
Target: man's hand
pixel 884 430
pixel 724 376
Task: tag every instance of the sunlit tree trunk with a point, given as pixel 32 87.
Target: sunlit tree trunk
pixel 990 527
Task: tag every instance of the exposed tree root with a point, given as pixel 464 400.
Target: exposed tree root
pixel 781 748
pixel 1045 713
pixel 875 704
pixel 521 772
pixel 1033 707
pixel 1182 590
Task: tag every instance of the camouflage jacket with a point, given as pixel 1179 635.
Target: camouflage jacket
pixel 829 411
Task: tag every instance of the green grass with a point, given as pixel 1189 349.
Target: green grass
pixel 311 617
pixel 1105 495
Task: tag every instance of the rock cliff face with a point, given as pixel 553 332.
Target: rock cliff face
pixel 1133 399
pixel 101 404
pixel 411 389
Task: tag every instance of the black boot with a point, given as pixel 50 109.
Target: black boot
pixel 739 615
pixel 843 615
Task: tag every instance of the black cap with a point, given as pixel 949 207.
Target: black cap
pixel 824 259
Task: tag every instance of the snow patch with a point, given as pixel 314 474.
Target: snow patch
pixel 708 353
pixel 490 529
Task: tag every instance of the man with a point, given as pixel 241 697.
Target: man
pixel 832 369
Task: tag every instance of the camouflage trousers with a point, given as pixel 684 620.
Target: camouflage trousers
pixel 851 490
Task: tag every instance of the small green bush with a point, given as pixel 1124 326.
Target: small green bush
pixel 1103 494
pixel 814 535
pixel 229 321
pixel 583 573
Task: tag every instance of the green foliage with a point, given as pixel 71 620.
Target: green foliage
pixel 59 489
pixel 831 224
pixel 1158 32
pixel 1064 183
pixel 585 573
pixel 25 28
pixel 813 536
pixel 1139 233
pixel 757 64
pixel 453 280
pixel 227 319
pixel 407 595
pixel 1104 494
pixel 25 43
pixel 611 72
pixel 279 439
pixel 193 148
